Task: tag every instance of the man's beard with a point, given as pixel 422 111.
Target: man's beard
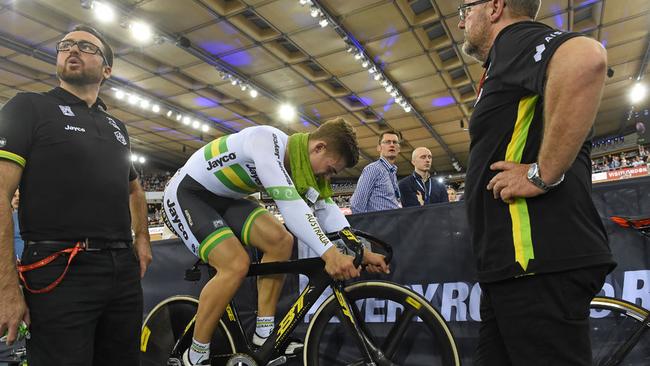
pixel 79 77
pixel 473 50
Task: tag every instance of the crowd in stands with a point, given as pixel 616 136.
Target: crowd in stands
pixel 154 214
pixel 623 160
pixel 154 182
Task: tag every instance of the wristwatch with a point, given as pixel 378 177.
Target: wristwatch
pixel 535 178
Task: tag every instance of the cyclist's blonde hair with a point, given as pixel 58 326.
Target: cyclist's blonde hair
pixel 340 138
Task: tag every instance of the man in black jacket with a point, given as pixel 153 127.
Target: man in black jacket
pixel 419 189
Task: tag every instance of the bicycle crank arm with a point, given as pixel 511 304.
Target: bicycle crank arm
pixel 278 361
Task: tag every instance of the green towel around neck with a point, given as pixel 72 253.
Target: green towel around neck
pixel 301 171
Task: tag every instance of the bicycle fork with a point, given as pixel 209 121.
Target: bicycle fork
pixel 373 355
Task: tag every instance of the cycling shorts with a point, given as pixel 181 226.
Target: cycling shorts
pixel 202 219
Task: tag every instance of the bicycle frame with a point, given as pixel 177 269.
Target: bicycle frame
pixel 319 281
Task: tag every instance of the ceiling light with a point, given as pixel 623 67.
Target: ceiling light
pixel 244 87
pixel 287 112
pixel 141 31
pixel 169 113
pixel 305 2
pixel 144 104
pixel 186 120
pixel 133 99
pixel 314 12
pixel 357 56
pixel 389 88
pixel 372 70
pixel 205 128
pixel 350 49
pixel 440 180
pixel 134 157
pixel 179 117
pixel 155 108
pixel 234 82
pixel 119 94
pixel 377 76
pixel 399 99
pixel 103 12
pixel 365 63
pixel 141 160
pixel 407 109
pixel 253 93
pixel 196 124
pixel 393 93
pixel 323 22
pixel 638 92
pixel 384 83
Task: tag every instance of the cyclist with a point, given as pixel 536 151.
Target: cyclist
pixel 205 205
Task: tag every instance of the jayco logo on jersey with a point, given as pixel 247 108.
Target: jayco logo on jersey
pixel 175 219
pixel 113 123
pixel 220 160
pixel 252 171
pixel 120 137
pixel 73 128
pixel 66 110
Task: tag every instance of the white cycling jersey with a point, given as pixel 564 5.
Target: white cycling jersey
pixel 252 160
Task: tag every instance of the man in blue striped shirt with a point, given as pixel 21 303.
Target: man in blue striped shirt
pixel 377 187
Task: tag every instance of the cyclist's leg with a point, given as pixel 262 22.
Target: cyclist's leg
pixel 263 231
pixel 231 262
pixel 193 214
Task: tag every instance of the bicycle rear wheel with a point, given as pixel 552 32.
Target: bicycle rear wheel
pixel 613 323
pixel 167 323
pixel 407 329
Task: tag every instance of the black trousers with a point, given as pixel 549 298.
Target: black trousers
pixel 93 317
pixel 538 320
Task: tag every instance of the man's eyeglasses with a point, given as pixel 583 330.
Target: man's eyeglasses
pixel 389 142
pixel 462 10
pixel 84 46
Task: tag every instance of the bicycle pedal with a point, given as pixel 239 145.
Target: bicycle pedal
pixel 278 361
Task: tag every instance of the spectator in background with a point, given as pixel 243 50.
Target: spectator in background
pixel 451 194
pixel 18 240
pixel 377 187
pixel 419 189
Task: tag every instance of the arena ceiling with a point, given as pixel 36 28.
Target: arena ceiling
pixel 204 51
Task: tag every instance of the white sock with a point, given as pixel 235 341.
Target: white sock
pixel 199 351
pixel 264 326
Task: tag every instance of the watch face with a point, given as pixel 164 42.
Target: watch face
pixel 532 171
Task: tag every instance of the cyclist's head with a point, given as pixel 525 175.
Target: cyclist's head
pixel 340 142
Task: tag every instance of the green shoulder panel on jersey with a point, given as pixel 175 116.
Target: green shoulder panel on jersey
pixel 13 157
pixel 521 232
pixel 283 193
pixel 236 179
pixel 216 147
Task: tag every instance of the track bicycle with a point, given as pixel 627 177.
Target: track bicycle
pixel 362 323
pixel 621 326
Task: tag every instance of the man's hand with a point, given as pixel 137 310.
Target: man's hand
pixel 12 310
pixel 512 182
pixel 418 194
pixel 375 263
pixel 339 266
pixel 142 248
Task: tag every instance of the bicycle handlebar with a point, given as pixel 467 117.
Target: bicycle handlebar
pixel 387 248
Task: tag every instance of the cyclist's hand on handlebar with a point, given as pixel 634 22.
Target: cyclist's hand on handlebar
pixel 338 265
pixel 375 263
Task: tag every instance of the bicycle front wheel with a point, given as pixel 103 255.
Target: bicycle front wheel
pixel 618 336
pixel 407 329
pixel 167 323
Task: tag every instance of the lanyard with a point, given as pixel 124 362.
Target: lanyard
pixel 391 170
pixel 421 184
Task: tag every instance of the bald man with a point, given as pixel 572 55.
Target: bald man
pixel 418 189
